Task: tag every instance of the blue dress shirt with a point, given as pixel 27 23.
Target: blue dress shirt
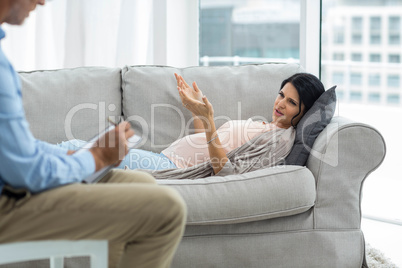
pixel 26 162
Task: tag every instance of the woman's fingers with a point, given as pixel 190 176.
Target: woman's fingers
pixel 207 103
pixel 205 100
pixel 184 81
pixel 182 84
pixel 183 95
pixel 178 80
pixel 184 99
pixel 196 87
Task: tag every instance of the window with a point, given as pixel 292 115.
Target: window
pixel 356 57
pixel 338 56
pixel 234 32
pixel 394 39
pixel 394 27
pixel 355 96
pixel 214 25
pixel 339 36
pixel 394 58
pixel 374 97
pixel 357 28
pixel 375 24
pixel 375 30
pixel 340 95
pixel 376 86
pixel 356 79
pixel 337 78
pixel 393 99
pixel 393 81
pixel 375 39
pixel 394 24
pixel 357 24
pixel 374 80
pixel 357 39
pixel 375 58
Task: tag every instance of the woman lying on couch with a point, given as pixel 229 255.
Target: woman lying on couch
pixel 238 146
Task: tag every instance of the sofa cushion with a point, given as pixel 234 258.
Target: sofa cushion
pixel 152 104
pixel 258 195
pixel 80 99
pixel 310 126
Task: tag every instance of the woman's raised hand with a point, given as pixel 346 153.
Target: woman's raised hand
pixel 194 92
pixel 194 100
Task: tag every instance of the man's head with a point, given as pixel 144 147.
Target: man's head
pixel 16 11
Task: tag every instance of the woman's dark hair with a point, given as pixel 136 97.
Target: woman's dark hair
pixel 309 88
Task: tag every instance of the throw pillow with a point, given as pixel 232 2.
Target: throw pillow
pixel 310 126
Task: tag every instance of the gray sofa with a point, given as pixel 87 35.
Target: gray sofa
pixel 285 216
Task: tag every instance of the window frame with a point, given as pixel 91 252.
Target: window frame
pixel 176 36
pixel 310 33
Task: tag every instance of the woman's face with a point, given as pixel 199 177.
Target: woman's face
pixel 286 106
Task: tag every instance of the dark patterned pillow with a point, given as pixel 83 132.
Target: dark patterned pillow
pixel 310 126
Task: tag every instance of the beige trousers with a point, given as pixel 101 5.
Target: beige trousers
pixel 142 221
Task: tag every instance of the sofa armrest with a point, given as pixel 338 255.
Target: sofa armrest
pixel 258 195
pixel 343 155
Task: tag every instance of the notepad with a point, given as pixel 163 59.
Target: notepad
pixel 98 175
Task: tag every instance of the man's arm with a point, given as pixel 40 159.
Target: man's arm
pixel 51 148
pixel 24 163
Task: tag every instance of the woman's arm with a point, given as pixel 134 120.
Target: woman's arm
pixel 194 93
pixel 205 113
pixel 198 125
pixel 217 154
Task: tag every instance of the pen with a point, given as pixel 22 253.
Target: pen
pixel 111 121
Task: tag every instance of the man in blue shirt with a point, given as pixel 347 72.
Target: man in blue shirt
pixel 42 197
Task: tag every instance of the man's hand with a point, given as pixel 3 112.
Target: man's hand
pixel 111 148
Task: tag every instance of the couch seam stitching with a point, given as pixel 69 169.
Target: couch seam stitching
pixel 250 216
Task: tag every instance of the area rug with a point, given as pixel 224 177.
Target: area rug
pixel 376 259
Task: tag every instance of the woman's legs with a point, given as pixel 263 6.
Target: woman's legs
pixel 135 159
pixel 72 144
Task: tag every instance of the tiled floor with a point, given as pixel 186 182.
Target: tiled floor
pixel 385 237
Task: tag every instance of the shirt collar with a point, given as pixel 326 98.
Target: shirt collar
pixel 2 33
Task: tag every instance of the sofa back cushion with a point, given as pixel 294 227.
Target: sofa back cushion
pixel 70 103
pixel 152 104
